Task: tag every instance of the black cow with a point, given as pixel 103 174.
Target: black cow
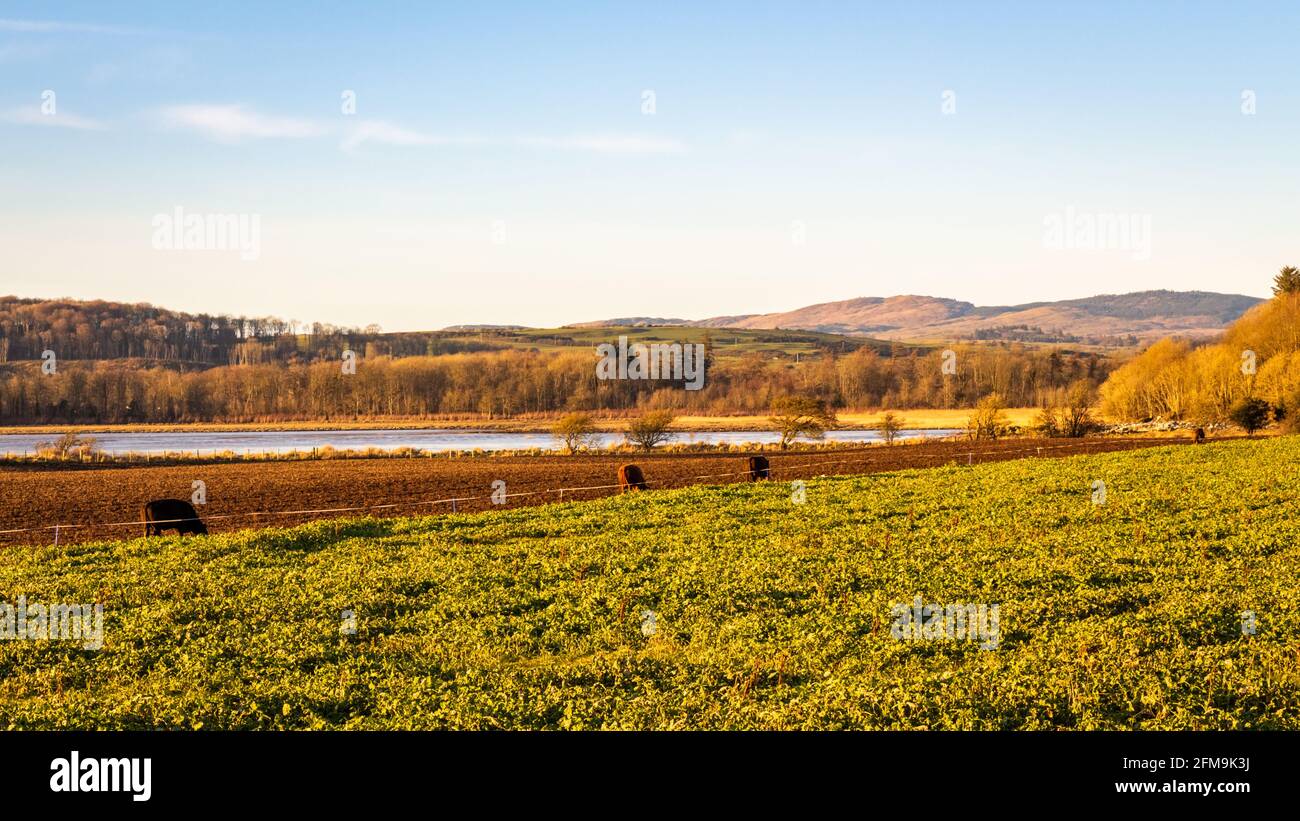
pixel 172 514
pixel 759 468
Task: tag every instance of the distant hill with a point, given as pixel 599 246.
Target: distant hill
pixel 1106 319
pixel 140 335
pixel 474 328
pixel 101 330
pixel 631 322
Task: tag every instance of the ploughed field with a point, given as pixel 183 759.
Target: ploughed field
pixel 1170 601
pixel 104 502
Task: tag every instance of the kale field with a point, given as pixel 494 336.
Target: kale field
pixel 1149 589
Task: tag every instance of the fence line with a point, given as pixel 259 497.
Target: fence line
pixel 453 500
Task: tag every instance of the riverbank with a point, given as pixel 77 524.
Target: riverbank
pixel 623 449
pixel 912 420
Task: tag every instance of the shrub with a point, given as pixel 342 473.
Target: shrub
pixel 1068 413
pixel 1250 414
pixel 890 424
pixel 68 446
pixel 987 421
pixel 650 429
pixel 794 416
pixel 575 431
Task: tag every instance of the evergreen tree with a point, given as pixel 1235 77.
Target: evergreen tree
pixel 1287 281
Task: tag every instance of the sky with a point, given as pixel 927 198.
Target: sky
pixel 420 165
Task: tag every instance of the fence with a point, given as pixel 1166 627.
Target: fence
pixel 454 501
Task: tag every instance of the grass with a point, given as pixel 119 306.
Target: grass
pixel 726 342
pixel 766 613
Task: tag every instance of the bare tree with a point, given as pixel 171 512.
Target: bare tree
pixel 794 416
pixel 1070 413
pixel 575 431
pixel 650 429
pixel 67 446
pixel 890 424
pixel 987 421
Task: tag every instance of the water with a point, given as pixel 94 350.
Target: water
pixel 429 440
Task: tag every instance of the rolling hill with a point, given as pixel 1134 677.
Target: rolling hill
pixel 1108 319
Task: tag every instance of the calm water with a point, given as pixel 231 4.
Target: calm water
pixel 429 440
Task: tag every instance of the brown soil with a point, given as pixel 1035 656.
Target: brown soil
pixel 105 502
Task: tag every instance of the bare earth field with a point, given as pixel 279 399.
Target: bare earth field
pixel 103 502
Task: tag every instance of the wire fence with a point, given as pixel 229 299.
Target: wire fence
pixel 454 502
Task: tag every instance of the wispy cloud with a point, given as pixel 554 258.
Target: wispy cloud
pixel 60 27
pixel 32 115
pixel 386 133
pixel 232 123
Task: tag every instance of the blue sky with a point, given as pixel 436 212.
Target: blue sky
pixel 499 166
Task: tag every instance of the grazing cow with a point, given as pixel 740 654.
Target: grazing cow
pixel 1200 436
pixel 759 468
pixel 630 477
pixel 172 514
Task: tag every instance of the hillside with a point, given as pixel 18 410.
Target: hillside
pixel 712 608
pixel 1106 319
pixel 101 330
pixel 144 334
pixel 105 330
pixel 630 322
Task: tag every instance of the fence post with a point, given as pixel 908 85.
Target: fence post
pixel 56 535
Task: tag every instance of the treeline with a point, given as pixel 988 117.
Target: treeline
pixel 1258 357
pixel 512 382
pixel 104 331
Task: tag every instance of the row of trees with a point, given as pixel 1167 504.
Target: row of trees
pixel 791 417
pixel 1068 414
pixel 104 331
pixel 513 382
pixel 1258 358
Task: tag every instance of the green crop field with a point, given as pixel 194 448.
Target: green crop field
pixel 710 607
pixel 724 342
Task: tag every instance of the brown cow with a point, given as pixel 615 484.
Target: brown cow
pixel 759 468
pixel 172 514
pixel 1200 436
pixel 630 477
